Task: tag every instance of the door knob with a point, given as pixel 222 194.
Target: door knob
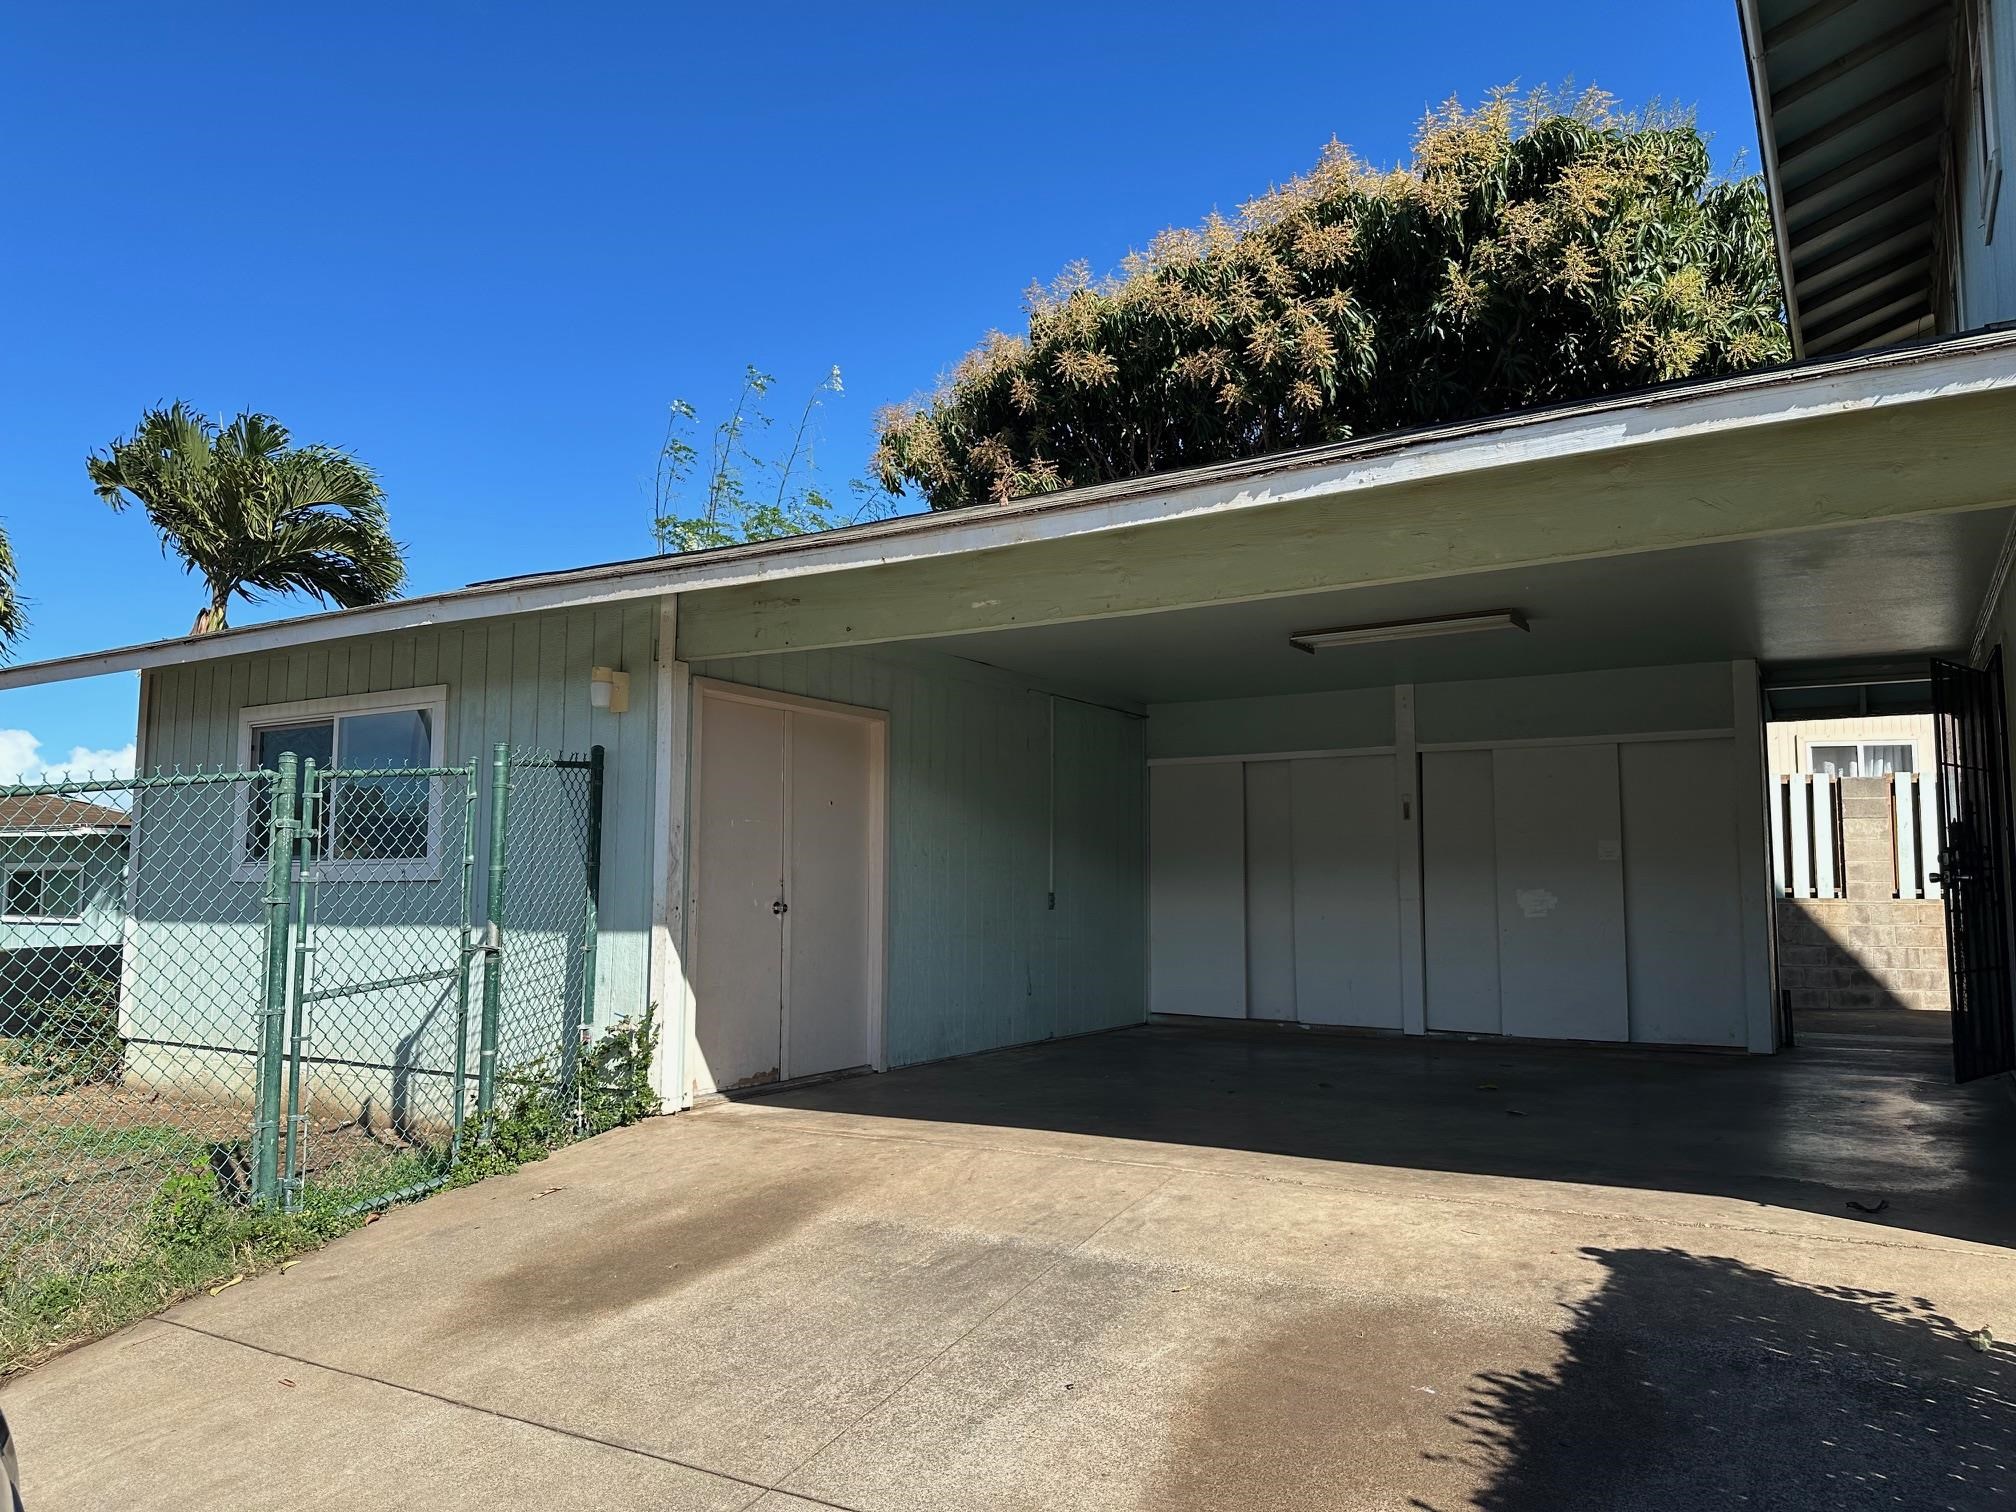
pixel 780 907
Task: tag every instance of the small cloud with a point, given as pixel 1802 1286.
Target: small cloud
pixel 21 761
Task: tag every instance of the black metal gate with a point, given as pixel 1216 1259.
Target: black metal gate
pixel 1974 862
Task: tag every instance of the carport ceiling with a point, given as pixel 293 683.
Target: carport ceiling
pixel 1895 589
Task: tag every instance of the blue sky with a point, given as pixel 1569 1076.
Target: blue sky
pixel 484 246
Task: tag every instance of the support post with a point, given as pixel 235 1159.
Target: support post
pixel 310 832
pixel 464 960
pixel 280 832
pixel 1413 918
pixel 592 859
pixel 493 942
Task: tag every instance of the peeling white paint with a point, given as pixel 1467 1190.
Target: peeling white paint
pixel 1535 902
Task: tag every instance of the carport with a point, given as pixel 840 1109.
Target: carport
pixel 1452 733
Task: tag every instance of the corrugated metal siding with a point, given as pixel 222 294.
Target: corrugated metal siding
pixel 977 958
pixel 522 680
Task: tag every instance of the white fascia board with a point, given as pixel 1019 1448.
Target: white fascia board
pixel 1965 365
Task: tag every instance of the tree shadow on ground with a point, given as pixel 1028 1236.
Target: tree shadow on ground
pixel 1694 1382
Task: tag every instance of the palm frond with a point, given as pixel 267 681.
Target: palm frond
pixel 252 515
pixel 13 619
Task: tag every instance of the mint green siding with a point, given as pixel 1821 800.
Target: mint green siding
pixel 523 681
pixel 977 957
pixel 1350 720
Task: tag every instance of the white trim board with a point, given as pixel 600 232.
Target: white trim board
pixel 1612 426
pixel 668 987
pixel 1573 740
pixel 1378 750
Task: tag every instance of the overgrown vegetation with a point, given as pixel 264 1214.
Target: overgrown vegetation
pixel 1536 249
pixel 71 1041
pixel 752 490
pixel 197 1232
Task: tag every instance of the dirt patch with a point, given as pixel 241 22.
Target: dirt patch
pixel 607 1270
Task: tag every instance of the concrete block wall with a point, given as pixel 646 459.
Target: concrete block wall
pixel 1850 953
pixel 1870 949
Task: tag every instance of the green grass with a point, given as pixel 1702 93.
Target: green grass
pixel 28 1142
pixel 189 1234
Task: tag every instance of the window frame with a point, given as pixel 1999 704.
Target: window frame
pixel 8 871
pixel 432 701
pixel 1810 744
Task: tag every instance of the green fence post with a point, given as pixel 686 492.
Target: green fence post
pixel 592 859
pixel 311 803
pixel 493 960
pixel 468 952
pixel 273 1011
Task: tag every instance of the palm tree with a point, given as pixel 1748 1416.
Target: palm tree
pixel 12 618
pixel 253 514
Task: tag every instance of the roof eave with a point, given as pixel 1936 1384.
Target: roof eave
pixel 1614 422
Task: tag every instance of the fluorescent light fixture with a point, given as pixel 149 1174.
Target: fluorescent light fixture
pixel 1313 641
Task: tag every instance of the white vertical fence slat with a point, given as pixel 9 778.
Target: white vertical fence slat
pixel 1775 812
pixel 1799 792
pixel 1928 833
pixel 1825 883
pixel 1805 838
pixel 1904 833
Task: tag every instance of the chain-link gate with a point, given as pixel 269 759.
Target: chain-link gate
pixel 319 985
pixel 379 994
pixel 543 899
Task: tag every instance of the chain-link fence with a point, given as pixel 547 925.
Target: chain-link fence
pixel 319 986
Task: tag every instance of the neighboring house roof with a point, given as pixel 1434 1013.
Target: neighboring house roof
pixel 1852 102
pixel 1603 430
pixel 52 813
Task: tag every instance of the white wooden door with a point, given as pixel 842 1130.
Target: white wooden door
pixel 828 928
pixel 738 874
pixel 1459 891
pixel 1559 836
pixel 786 908
pixel 1347 891
pixel 1272 847
pixel 1197 889
pixel 1683 892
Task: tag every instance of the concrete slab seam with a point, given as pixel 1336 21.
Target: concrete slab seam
pixel 761 1488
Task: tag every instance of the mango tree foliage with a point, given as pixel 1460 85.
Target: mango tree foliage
pixel 1533 251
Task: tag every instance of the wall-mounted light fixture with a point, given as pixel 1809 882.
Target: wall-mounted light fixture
pixel 1313 641
pixel 609 689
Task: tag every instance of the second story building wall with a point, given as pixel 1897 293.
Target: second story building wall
pixel 1982 212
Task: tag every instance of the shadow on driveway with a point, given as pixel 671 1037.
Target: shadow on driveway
pixel 1813 1129
pixel 1691 1382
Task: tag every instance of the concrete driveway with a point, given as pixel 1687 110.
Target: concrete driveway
pixel 1166 1269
